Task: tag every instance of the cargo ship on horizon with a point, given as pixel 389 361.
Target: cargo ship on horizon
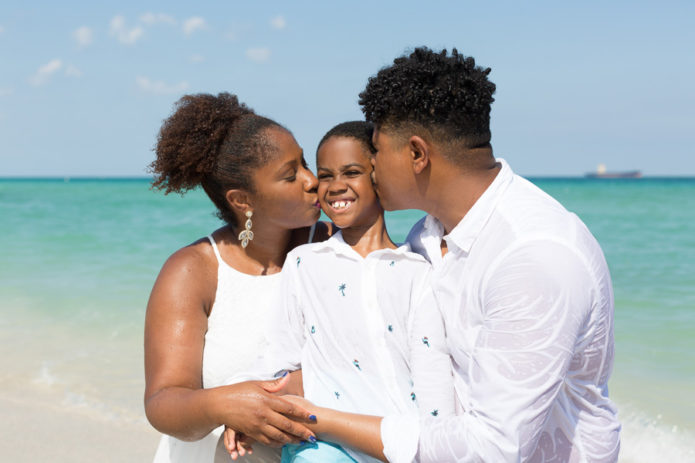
pixel 601 172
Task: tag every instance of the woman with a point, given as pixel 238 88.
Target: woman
pixel 208 308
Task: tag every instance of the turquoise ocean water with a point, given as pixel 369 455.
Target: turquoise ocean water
pixel 78 258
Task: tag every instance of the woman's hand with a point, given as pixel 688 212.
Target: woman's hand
pixel 251 408
pixel 300 402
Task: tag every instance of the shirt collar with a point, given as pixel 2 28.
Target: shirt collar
pixel 468 229
pixel 337 244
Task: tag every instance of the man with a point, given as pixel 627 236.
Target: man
pixel 522 284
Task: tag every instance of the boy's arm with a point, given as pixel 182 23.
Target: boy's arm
pixel 361 432
pixel 285 334
pixel 430 364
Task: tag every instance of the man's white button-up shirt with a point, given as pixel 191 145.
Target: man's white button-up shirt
pixel 527 301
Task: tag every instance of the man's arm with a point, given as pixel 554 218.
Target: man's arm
pixel 535 302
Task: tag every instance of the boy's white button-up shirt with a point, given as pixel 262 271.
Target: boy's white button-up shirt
pixel 528 307
pixel 366 331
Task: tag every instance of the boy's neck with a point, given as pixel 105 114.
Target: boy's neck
pixel 368 238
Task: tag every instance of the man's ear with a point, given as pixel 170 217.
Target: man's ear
pixel 239 201
pixel 420 153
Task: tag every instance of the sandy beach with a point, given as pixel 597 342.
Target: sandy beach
pixel 33 430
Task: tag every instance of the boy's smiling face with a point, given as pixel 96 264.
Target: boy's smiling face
pixel 345 188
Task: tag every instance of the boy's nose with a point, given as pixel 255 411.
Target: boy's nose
pixel 337 186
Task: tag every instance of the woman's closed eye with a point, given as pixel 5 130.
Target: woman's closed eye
pixel 291 176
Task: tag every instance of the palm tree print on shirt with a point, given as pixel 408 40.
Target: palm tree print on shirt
pixel 341 288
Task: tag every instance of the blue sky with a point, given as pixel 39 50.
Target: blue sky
pixel 84 86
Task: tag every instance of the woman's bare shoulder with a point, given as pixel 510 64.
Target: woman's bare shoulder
pixel 191 269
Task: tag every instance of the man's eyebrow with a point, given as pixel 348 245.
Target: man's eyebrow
pixel 293 162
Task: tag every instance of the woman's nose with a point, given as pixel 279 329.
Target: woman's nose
pixel 311 183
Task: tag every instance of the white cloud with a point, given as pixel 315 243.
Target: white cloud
pixel 192 24
pixel 44 73
pixel 157 18
pixel 124 35
pixel 5 91
pixel 258 55
pixel 197 58
pixel 83 36
pixel 72 71
pixel 278 22
pixel 158 87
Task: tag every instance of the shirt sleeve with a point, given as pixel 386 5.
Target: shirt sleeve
pixel 430 364
pixel 285 336
pixel 534 301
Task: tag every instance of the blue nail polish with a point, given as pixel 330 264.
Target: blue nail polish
pixel 285 374
pixel 312 417
pixel 312 439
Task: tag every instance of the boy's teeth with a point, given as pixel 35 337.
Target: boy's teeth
pixel 341 204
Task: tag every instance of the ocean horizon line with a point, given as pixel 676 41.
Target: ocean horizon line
pixel 81 178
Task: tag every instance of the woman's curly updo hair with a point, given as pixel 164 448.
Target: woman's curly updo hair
pixel 358 130
pixel 441 92
pixel 212 141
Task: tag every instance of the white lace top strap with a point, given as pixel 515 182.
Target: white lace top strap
pixel 214 248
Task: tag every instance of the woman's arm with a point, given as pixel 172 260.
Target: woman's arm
pixel 175 326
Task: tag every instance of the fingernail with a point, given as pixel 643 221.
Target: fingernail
pixel 312 439
pixel 312 417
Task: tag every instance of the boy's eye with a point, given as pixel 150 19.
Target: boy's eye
pixel 323 176
pixel 352 173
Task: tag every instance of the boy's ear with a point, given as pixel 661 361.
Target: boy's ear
pixel 239 201
pixel 419 153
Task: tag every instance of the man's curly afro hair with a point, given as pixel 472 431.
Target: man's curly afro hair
pixel 444 93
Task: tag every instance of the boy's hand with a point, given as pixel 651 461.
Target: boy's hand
pixel 237 444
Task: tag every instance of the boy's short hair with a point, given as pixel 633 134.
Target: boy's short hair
pixel 446 94
pixel 359 130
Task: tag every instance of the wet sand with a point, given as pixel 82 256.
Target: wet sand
pixel 33 431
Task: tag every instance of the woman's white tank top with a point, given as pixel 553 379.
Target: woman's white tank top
pixel 233 340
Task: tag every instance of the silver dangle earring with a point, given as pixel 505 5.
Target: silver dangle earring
pixel 246 235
